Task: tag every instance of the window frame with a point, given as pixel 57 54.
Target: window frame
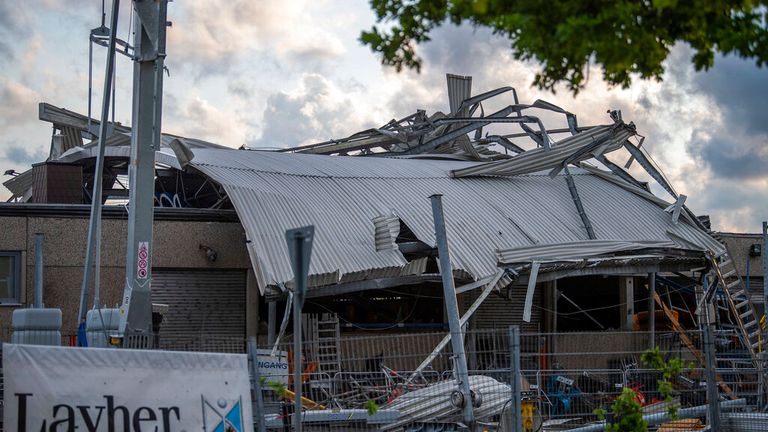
pixel 16 275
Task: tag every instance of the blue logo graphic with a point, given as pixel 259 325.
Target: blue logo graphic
pixel 223 415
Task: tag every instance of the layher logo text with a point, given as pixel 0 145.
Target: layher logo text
pixel 66 418
pixel 108 414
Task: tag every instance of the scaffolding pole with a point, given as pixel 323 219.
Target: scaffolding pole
pixel 452 310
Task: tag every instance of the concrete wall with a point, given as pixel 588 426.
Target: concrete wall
pixel 176 245
pixel 738 248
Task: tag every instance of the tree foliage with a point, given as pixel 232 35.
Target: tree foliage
pixel 627 414
pixel 669 369
pixel 626 38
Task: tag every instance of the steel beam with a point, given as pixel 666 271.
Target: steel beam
pixel 579 206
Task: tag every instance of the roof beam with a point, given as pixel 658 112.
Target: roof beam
pixel 370 284
pixel 579 206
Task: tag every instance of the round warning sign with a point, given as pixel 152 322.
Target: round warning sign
pixel 142 260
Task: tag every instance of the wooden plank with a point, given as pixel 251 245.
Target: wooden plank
pixel 690 345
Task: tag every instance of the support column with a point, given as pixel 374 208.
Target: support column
pixel 712 394
pixel 550 296
pixel 251 305
pixel 271 322
pixel 651 310
pixel 627 296
pixel 706 314
pixel 516 422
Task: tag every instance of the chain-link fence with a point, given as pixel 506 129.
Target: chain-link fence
pixel 569 381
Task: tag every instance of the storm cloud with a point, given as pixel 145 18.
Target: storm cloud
pixel 24 156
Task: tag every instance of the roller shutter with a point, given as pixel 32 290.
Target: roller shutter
pixel 206 309
pixel 499 312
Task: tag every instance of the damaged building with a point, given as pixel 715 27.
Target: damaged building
pixel 545 228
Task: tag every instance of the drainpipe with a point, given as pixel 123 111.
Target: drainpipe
pixel 452 310
pixel 39 270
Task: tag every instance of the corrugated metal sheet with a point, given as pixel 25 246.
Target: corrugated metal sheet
pixel 341 196
pixel 201 303
pixel 119 145
pixel 387 229
pixel 21 183
pixel 601 139
pixel 459 89
pixel 576 250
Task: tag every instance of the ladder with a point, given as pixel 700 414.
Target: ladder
pixel 738 302
pixel 327 335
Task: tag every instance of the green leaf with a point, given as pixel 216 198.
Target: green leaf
pixel 627 40
pixel 371 407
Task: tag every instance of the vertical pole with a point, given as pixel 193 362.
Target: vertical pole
pixel 764 340
pixel 149 47
pixel 297 366
pixel 709 351
pixel 39 270
pixel 271 322
pixel 705 318
pixel 471 344
pixel 452 310
pixel 256 376
pixel 764 252
pixel 627 293
pixel 652 310
pixel 300 250
pixel 699 291
pixel 94 226
pixel 515 408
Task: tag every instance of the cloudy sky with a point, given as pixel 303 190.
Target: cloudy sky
pixel 283 73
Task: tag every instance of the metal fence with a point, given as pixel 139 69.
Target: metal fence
pixel 380 382
pixel 568 378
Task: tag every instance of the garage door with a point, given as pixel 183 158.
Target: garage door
pixel 206 309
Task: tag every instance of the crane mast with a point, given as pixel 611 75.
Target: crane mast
pixel 149 57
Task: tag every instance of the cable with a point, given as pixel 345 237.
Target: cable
pixel 674 290
pixel 412 295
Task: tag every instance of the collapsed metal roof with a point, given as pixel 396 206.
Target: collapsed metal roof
pixel 506 204
pixel 487 218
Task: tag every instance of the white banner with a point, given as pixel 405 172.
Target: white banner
pixel 90 389
pixel 272 368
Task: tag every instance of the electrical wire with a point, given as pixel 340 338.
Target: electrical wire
pixel 565 314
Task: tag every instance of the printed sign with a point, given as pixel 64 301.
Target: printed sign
pixel 96 389
pixel 272 368
pixel 142 260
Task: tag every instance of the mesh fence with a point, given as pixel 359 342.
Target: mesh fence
pixel 568 380
pixel 402 382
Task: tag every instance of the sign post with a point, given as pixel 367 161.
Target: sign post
pixel 300 251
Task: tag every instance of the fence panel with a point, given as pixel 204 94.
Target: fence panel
pixel 373 382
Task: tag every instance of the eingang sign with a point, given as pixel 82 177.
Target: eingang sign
pixel 55 389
